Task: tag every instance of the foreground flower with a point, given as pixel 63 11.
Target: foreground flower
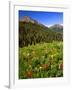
pixel 61 66
pixel 28 54
pixel 45 66
pixel 40 67
pixel 29 74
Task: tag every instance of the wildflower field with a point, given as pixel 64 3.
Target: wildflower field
pixel 43 60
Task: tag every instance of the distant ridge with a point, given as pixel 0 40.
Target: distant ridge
pixel 57 28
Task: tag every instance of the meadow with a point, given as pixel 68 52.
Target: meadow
pixel 42 60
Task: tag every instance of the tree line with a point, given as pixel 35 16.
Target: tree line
pixel 30 33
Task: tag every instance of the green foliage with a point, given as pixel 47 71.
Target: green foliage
pixel 32 33
pixel 42 60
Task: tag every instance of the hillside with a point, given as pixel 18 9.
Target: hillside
pixel 32 32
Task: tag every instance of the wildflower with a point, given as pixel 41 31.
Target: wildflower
pixel 40 67
pixel 52 56
pixel 61 66
pixel 29 74
pixel 45 66
pixel 28 54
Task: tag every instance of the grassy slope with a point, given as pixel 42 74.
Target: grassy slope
pixel 41 60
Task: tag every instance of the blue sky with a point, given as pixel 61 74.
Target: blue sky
pixel 46 18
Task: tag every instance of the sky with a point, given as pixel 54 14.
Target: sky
pixel 46 18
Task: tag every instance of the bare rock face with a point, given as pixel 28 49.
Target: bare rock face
pixel 28 19
pixel 25 19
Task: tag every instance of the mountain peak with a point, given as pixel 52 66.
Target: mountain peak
pixel 57 27
pixel 25 19
pixel 28 19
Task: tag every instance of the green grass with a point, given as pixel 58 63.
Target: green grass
pixel 42 60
